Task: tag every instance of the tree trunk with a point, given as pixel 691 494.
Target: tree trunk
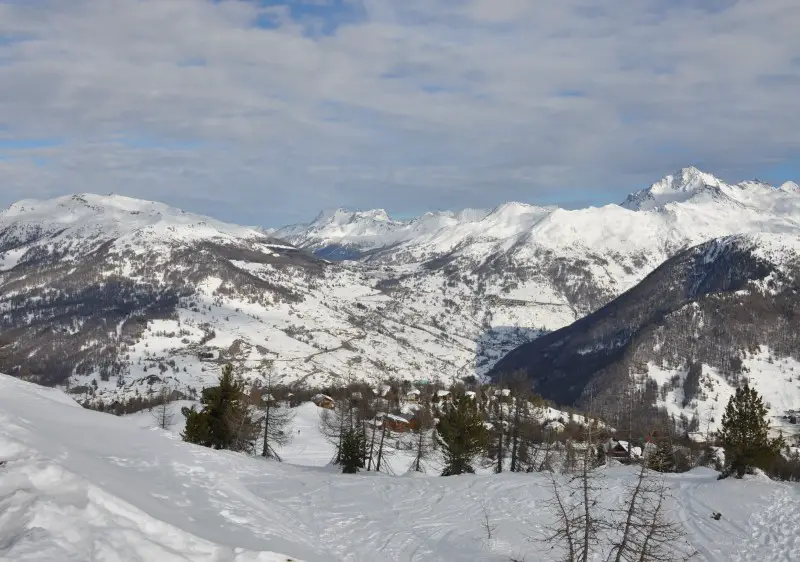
pixel 380 447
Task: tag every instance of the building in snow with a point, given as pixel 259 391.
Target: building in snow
pixel 397 423
pixel 621 450
pixel 323 401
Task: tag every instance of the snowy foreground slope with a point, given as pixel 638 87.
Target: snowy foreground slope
pixel 77 485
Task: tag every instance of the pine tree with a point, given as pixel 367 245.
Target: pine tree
pixel 462 436
pixel 354 449
pixel 498 433
pixel 745 434
pixel 225 421
pixel 196 430
pixel 662 459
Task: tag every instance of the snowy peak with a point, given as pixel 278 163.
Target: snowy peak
pixel 674 188
pixel 73 225
pixel 114 216
pixel 343 216
pixel 790 187
pixel 363 230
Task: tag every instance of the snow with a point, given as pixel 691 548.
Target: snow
pixel 433 325
pixel 683 209
pixel 83 486
pixel 790 187
pixel 82 218
pixel 777 380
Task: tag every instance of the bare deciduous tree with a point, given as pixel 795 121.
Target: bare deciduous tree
pixel 644 533
pixel 423 442
pixel 276 422
pixel 578 521
pixel 488 525
pixel 162 412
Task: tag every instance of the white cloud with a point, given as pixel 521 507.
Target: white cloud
pixel 414 104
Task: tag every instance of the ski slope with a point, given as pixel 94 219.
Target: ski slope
pixel 77 485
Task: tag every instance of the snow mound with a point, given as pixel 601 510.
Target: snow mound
pixel 78 486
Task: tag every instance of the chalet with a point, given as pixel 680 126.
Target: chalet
pixel 397 423
pixel 555 426
pixel 323 401
pixel 620 450
pixel 442 396
pixel 413 395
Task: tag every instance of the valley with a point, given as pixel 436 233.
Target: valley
pixel 114 298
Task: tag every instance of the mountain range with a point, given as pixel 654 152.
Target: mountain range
pixel 116 296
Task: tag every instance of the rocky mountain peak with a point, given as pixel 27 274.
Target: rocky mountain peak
pixel 677 187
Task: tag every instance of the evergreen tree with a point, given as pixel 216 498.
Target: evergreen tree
pixel 196 430
pixel 498 434
pixel 745 434
pixel 662 459
pixel 354 449
pixel 462 436
pixel 225 421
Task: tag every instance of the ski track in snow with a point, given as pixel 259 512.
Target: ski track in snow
pixel 83 486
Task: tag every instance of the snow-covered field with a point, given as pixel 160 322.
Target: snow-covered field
pixel 77 485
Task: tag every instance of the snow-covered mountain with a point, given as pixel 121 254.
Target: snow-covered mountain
pixel 702 323
pixel 576 260
pixel 131 293
pixel 684 208
pixel 117 296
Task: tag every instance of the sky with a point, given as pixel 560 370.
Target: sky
pixel 263 112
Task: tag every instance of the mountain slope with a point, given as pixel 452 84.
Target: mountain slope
pixel 80 486
pixel 573 260
pixel 118 296
pixel 723 310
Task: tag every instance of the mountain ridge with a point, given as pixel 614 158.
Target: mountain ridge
pixel 105 291
pixel 726 306
pixel 678 188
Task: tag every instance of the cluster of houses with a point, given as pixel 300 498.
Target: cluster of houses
pixel 399 423
pixel 407 421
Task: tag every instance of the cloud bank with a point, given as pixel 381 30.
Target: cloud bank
pixel 264 111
